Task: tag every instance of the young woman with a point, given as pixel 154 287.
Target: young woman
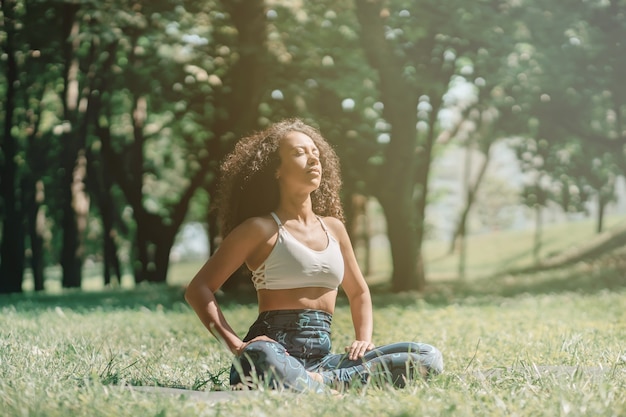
pixel 280 214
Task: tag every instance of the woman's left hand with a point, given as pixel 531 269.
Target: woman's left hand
pixel 358 348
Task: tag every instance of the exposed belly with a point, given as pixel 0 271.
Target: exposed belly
pixel 314 298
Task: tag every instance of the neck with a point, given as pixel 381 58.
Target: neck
pixel 294 208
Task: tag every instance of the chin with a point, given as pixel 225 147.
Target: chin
pixel 314 187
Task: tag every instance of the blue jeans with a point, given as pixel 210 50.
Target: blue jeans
pixel 303 344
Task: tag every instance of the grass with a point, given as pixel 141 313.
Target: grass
pixel 70 353
pixel 490 254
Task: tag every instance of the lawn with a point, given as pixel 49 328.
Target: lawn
pixel 75 353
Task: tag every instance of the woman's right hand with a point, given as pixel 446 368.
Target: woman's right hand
pixel 261 338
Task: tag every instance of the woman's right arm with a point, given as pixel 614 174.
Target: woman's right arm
pixel 200 293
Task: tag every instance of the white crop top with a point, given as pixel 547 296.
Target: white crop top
pixel 292 264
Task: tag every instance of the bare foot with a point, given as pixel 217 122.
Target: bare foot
pixel 317 377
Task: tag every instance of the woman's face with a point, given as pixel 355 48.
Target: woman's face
pixel 300 165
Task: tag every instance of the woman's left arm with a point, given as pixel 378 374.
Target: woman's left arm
pixel 358 294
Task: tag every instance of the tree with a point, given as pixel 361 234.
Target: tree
pixel 383 119
pixel 212 114
pixel 416 54
pixel 77 87
pixel 576 98
pixel 130 112
pixel 29 49
pixel 12 245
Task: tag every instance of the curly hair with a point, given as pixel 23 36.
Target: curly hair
pixel 248 186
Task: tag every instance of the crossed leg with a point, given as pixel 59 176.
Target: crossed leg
pixel 395 363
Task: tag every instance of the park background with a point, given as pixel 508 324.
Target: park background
pixel 483 158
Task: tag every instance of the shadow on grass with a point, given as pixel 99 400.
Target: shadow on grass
pixel 511 261
pixel 581 278
pixel 145 296
pixel 515 258
pixel 148 296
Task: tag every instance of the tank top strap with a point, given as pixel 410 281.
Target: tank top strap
pixel 323 224
pixel 277 220
pixel 280 224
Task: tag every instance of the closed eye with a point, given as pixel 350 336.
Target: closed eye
pixel 302 151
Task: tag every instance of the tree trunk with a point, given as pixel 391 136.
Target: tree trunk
pixel 99 183
pixel 162 249
pixel 462 255
pixel 396 188
pixel 460 232
pixel 601 207
pixel 74 223
pixel 36 230
pixel 112 264
pixel 141 265
pixel 538 230
pixel 12 245
pixel 71 263
pixel 423 159
pixel 401 229
pixel 471 192
pixel 246 81
pixel 213 231
pixel 359 228
pixel 75 202
pixel 153 250
pixel 100 186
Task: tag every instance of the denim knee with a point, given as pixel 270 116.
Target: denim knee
pixel 429 356
pixel 432 358
pixel 255 359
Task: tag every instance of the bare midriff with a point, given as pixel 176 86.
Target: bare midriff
pixel 314 298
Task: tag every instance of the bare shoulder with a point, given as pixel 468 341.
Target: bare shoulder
pixel 261 228
pixel 336 227
pixel 253 239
